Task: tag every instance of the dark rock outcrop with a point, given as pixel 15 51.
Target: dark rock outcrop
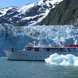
pixel 65 12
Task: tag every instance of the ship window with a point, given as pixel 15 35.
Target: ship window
pixel 52 49
pixel 36 56
pixel 58 49
pixel 23 54
pixel 69 49
pixel 36 49
pixel 29 48
pixel 48 49
pixel 26 54
pixel 55 49
pixel 20 54
pixel 74 49
pixel 62 49
pixel 43 48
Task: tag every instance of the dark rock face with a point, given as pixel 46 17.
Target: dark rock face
pixel 65 12
pixel 8 16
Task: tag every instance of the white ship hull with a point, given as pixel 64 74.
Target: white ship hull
pixel 33 56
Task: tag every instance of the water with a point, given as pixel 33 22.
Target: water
pixel 35 69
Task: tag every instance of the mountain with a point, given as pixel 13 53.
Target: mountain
pixel 30 14
pixel 66 12
pixel 43 12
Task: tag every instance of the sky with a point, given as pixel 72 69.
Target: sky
pixel 7 3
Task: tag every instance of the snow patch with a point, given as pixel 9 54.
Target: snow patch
pixel 28 18
pixel 40 19
pixel 26 8
pixel 41 8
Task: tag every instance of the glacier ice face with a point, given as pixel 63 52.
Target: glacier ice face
pixel 11 36
pixel 49 34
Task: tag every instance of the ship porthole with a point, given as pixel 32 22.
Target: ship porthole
pixel 26 54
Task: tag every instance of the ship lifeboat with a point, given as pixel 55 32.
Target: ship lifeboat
pixel 72 45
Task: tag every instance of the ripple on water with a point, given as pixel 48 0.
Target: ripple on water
pixel 34 69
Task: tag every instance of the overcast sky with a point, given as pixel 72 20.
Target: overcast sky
pixel 7 3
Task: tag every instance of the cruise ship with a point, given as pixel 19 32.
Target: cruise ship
pixel 40 53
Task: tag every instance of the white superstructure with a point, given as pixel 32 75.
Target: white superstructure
pixel 39 53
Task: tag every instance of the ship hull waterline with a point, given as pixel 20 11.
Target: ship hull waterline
pixel 32 56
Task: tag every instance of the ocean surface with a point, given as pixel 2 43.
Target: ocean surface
pixel 35 69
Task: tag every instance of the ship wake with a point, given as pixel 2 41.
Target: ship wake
pixel 64 60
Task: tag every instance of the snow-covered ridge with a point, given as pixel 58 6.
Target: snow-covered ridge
pixel 4 11
pixel 30 14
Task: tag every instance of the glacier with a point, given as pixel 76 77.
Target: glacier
pixel 14 35
pixel 18 37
